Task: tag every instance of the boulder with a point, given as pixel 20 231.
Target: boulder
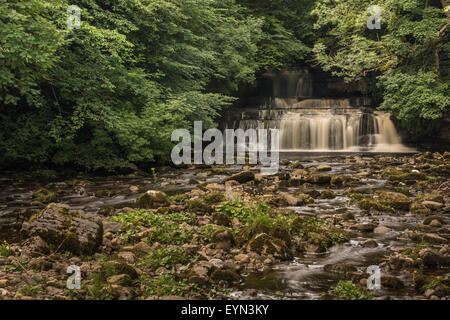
pixel 265 245
pixel 199 273
pixel 327 194
pixel 241 177
pixel 397 200
pixel 152 199
pixel 433 238
pixel 432 205
pixel 223 239
pixel 221 219
pixel 66 230
pixel 323 168
pixel 369 243
pixel 319 178
pixel 225 275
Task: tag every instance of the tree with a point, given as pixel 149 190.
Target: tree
pixel 413 87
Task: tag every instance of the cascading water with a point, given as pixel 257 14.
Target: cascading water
pixel 308 124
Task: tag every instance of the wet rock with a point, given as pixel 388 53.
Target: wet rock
pixel 35 247
pixel 45 196
pixel 66 229
pixel 295 165
pixel 397 200
pixel 432 205
pixel 382 229
pixel 223 239
pixel 340 268
pixel 241 177
pixel 107 211
pixel 229 276
pixel 152 199
pixel 433 238
pixel 428 220
pixel 304 199
pixel 121 293
pixel 221 219
pixel 199 273
pixel 338 180
pixel 110 226
pixel 433 259
pixel 319 179
pixel 348 216
pixel 263 244
pixel 313 194
pixel 215 187
pixel 398 261
pixel 120 279
pixel 327 194
pixel 364 227
pixel 420 209
pixel 369 243
pixel 392 282
pixel 323 168
pixel 242 258
pixel 288 199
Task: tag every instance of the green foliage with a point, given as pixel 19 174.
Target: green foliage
pixel 318 231
pixel 169 285
pixel 166 228
pixel 5 249
pixel 19 265
pixel 287 31
pixel 167 258
pixel 346 290
pixel 407 58
pixel 110 94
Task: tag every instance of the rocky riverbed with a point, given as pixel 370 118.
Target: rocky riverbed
pixel 209 232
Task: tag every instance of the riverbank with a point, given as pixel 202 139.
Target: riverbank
pixel 310 231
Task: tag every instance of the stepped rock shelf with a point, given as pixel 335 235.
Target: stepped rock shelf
pixel 311 118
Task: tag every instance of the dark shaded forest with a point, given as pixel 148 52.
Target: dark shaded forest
pixel 109 94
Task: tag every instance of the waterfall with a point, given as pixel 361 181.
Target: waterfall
pixel 328 124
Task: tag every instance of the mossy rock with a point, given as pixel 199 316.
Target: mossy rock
pixel 337 180
pixel 65 229
pixel 225 275
pixel 319 179
pixel 221 219
pixel 241 177
pixel 45 196
pixel 214 197
pixel 327 194
pixel 397 200
pixel 265 245
pixel 152 199
pixel 220 171
pixel 304 199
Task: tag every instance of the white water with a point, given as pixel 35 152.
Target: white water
pixel 332 125
pixel 313 124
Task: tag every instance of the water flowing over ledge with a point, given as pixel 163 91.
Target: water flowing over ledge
pixel 319 124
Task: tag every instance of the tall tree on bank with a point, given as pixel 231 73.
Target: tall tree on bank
pixel 110 94
pixel 413 86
